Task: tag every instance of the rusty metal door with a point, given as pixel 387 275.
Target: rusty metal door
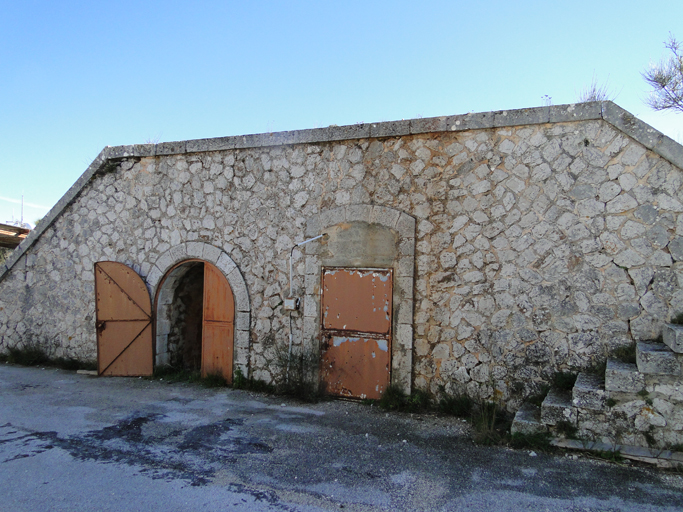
pixel 123 320
pixel 217 324
pixel 356 326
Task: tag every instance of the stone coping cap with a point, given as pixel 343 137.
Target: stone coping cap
pixel 606 110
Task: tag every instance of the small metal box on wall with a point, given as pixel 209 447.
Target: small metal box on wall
pixel 356 317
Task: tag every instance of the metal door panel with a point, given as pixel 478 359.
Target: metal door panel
pixel 356 367
pixel 217 325
pixel 123 321
pixel 357 300
pixel 356 321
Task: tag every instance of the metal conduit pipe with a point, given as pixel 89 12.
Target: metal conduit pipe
pixel 295 302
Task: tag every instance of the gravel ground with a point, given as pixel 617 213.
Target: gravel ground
pixel 74 442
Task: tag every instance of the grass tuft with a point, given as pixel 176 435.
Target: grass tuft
pixel 490 424
pixel 536 441
pixel 459 405
pixel 394 399
pixel 566 429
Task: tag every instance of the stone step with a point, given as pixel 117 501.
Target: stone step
pixel 623 377
pixel 528 420
pixel 673 337
pixel 657 358
pixel 589 392
pixel 557 407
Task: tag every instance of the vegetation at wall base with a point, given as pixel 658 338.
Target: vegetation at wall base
pixel 566 429
pixel 394 399
pixel 239 381
pixel 459 405
pixel 490 424
pixel 537 441
pixel 33 355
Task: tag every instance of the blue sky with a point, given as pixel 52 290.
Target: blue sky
pixel 78 76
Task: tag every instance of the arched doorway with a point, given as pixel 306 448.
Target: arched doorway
pixel 195 314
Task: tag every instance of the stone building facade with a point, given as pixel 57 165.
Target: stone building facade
pixel 522 243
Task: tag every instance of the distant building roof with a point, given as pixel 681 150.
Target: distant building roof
pixel 11 236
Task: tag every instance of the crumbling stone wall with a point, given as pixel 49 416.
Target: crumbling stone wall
pixel 539 247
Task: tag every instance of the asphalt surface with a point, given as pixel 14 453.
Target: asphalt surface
pixel 74 442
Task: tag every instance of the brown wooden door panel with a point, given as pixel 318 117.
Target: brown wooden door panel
pixel 132 359
pixel 356 367
pixel 123 320
pixel 121 294
pixel 219 305
pixel 218 324
pixel 217 349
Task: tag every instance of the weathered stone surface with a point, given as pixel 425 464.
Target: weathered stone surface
pixel 657 358
pixel 623 377
pixel 589 392
pixel 528 420
pixel 557 406
pixel 673 337
pixel 510 234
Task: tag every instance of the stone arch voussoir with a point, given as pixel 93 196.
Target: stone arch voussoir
pixel 404 225
pixel 216 256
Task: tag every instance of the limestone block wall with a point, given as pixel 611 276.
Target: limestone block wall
pixel 543 238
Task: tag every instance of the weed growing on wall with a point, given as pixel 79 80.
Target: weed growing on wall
pixel 297 373
pixel 239 381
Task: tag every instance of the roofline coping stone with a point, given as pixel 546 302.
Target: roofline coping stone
pixel 608 111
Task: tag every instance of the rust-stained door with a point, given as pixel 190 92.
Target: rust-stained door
pixel 124 321
pixel 356 327
pixel 217 324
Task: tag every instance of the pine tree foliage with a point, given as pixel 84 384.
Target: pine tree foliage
pixel 666 79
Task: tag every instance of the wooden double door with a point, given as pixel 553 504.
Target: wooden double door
pixel 125 322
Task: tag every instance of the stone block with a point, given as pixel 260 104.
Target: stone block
pixel 214 144
pixel 557 407
pixel 623 377
pixel 358 213
pixel 242 339
pixel 384 216
pixel 528 420
pixel 390 129
pixel 429 124
pixel 154 276
pixel 195 249
pixel 170 148
pixel 239 291
pixel 225 264
pixel 211 253
pixel 589 392
pixel 406 226
pixel 242 321
pixel 332 217
pixel 657 358
pixel 673 337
